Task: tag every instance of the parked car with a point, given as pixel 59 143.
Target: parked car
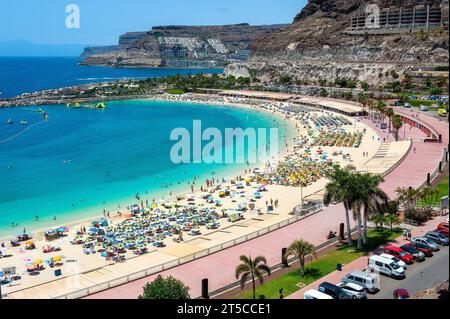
pixel 427 241
pixel 364 279
pixel 354 290
pixel 386 266
pixel 399 262
pixel 437 238
pixel 334 291
pixel 424 248
pixel 443 225
pixel 314 294
pixel 416 253
pixel 442 231
pixel 399 253
pixel 424 108
pixel 401 294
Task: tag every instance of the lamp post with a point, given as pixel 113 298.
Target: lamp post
pixel 301 199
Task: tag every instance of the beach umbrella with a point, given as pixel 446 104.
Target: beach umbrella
pixel 62 229
pixel 37 261
pixel 57 258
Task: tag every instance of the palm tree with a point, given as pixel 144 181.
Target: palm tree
pixel 363 100
pixel 379 220
pixel 397 124
pixel 392 220
pixel 390 113
pixel 336 191
pixel 356 209
pixel 253 268
pixel 373 198
pixel 381 109
pixel 408 196
pixel 302 250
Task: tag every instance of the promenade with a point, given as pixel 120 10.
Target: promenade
pixel 219 267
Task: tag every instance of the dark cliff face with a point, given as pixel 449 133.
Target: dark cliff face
pixel 319 29
pixel 339 8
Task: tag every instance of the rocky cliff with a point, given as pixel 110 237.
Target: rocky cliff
pixel 317 45
pixel 142 49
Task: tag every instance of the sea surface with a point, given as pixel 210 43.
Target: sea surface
pixel 81 161
pixel 29 74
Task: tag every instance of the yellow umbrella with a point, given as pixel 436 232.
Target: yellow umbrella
pixel 29 243
pixel 38 261
pixel 57 258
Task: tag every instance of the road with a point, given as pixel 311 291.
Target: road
pixel 419 276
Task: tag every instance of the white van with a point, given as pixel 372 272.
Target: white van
pixel 314 294
pixel 399 262
pixel 369 281
pixel 386 266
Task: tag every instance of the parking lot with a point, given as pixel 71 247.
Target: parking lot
pixel 419 276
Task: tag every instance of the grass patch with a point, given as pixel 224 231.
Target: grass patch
pixel 320 267
pixel 176 91
pixel 442 187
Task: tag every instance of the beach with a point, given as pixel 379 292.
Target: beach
pixel 75 262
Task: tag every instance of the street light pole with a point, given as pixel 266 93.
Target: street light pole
pixel 301 199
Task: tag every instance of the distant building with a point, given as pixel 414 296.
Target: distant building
pixel 399 20
pixel 176 52
pixel 239 55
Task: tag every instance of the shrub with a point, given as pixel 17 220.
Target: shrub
pixel 165 288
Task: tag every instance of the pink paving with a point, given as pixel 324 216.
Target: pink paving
pixel 219 268
pixel 361 263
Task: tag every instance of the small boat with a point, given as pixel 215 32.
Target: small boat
pixel 10 121
pixel 24 122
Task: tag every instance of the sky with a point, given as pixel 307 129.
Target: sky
pixel 102 21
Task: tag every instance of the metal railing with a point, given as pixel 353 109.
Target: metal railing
pixel 80 293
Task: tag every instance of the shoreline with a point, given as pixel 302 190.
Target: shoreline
pixel 95 212
pixel 288 196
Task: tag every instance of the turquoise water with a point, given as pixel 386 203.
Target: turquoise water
pixel 81 161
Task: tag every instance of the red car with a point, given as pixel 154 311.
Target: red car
pixel 442 231
pixel 443 226
pixel 427 250
pixel 401 294
pixel 399 253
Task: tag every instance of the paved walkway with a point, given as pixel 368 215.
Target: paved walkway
pixel 361 263
pixel 219 268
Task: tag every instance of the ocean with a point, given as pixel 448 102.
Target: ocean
pixel 81 161
pixel 29 74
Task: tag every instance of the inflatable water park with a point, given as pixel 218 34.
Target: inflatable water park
pixel 100 105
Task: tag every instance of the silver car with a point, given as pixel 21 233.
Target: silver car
pixel 438 238
pixel 426 241
pixel 353 290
